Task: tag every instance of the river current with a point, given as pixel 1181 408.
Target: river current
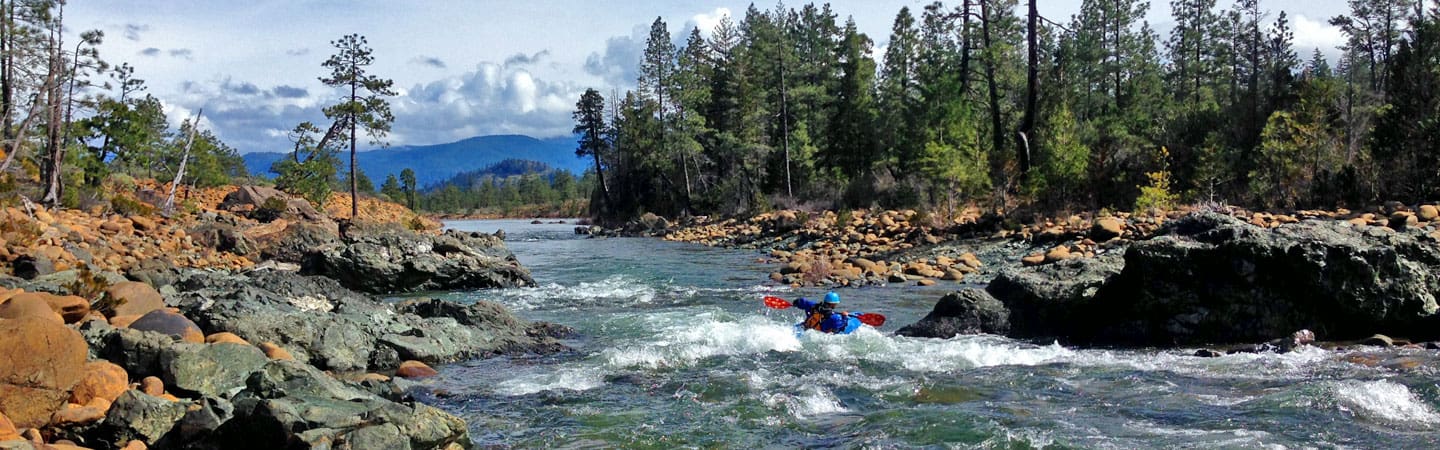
pixel 674 349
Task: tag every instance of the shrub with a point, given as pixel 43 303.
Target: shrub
pixel 273 208
pixel 1157 195
pixel 91 287
pixel 416 223
pixel 127 206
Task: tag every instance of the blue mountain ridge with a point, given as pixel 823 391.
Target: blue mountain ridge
pixel 437 163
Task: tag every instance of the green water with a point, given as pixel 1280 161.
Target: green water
pixel 675 350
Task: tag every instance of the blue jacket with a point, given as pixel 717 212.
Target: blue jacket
pixel 834 323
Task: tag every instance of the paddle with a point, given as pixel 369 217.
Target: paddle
pixel 871 319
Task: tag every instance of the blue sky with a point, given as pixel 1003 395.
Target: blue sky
pixel 463 68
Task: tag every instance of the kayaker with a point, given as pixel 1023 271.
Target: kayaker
pixel 822 315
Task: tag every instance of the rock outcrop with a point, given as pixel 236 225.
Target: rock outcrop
pixel 320 322
pixel 390 259
pixel 1214 279
pixel 970 311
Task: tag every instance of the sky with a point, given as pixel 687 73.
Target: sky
pixel 461 68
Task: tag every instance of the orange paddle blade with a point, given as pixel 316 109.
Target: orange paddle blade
pixel 871 319
pixel 777 302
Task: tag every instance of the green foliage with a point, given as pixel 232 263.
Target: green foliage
pixel 273 208
pixel 309 179
pixel 129 207
pixel 1157 195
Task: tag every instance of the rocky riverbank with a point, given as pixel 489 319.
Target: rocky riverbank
pixel 240 324
pixel 1185 277
pixel 1210 278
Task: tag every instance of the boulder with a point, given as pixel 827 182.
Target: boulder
pixel 1107 228
pixel 135 298
pixel 40 361
pixel 1210 278
pixel 29 305
pixel 1044 300
pixel 248 199
pixel 152 385
pixel 30 267
pixel 287 404
pixel 969 311
pixel 138 416
pixel 275 352
pixel 415 369
pixel 7 429
pixel 73 415
pixel 170 324
pixel 70 308
pixel 322 323
pixel 138 352
pixel 391 259
pixel 1429 213
pixel 212 370
pixel 225 337
pixel 102 380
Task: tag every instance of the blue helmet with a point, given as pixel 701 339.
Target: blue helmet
pixel 832 298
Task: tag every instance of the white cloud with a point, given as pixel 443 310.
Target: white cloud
pixel 1310 33
pixel 706 21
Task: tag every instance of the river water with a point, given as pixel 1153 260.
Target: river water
pixel 675 350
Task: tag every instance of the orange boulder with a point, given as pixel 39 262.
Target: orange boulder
pixel 40 360
pixel 225 337
pixel 27 305
pixel 275 352
pixel 415 369
pixel 102 380
pixel 138 298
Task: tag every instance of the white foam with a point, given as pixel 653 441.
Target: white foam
pixel 810 401
pixel 703 336
pixel 616 290
pixel 1383 400
pixel 933 355
pixel 568 378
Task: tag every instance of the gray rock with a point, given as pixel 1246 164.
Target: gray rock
pixel 136 415
pixel 137 351
pixel 334 328
pixel 392 260
pixel 287 403
pixel 1044 301
pixel 31 266
pixel 970 311
pixel 1211 278
pixel 209 369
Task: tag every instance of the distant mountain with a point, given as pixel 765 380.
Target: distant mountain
pixel 437 163
pixel 511 167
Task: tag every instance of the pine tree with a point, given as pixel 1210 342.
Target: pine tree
pixel 364 106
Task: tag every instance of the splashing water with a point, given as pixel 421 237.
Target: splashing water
pixel 675 350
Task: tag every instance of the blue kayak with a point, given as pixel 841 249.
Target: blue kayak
pixel 850 326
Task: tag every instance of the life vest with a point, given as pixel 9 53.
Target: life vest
pixel 817 317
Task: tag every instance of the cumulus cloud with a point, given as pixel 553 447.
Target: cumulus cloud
pixel 297 52
pixel 243 115
pixel 1311 33
pixel 430 61
pixel 183 53
pixel 133 30
pixel 519 59
pixel 152 51
pixel 492 99
pixel 706 21
pixel 619 65
pixel 283 91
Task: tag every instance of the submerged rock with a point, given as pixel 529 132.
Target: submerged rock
pixel 970 311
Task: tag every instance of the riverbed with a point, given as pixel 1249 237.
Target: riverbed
pixel 674 349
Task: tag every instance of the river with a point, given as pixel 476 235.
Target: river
pixel 675 350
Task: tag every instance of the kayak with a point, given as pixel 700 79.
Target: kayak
pixel 853 323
